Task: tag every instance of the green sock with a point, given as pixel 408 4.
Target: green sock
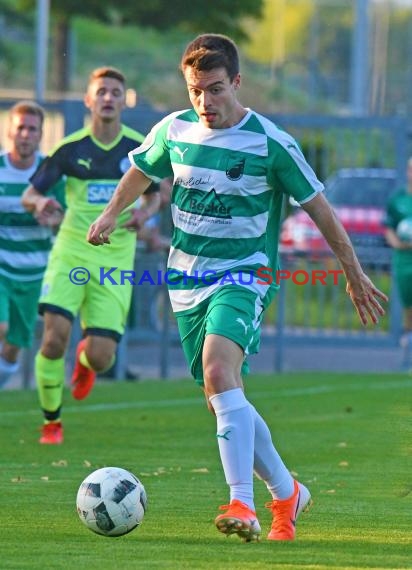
pixel 50 376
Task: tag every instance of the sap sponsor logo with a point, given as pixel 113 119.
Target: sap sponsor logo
pixel 100 192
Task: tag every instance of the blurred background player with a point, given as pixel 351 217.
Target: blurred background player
pixel 399 236
pixel 155 235
pixel 93 159
pixel 24 244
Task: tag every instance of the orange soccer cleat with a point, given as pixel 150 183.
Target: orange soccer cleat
pixel 239 519
pixel 286 511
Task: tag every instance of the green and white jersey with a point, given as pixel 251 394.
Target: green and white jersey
pixel 24 244
pixel 92 170
pixel 399 207
pixel 228 189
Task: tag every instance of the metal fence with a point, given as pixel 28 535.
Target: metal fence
pixel 310 313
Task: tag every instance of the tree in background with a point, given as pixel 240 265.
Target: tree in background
pixel 196 16
pixel 9 17
pixel 306 47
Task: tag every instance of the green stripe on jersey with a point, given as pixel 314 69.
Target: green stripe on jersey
pixel 217 248
pixel 23 219
pixel 25 246
pixel 22 274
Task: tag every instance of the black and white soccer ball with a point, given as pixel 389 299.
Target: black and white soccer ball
pixel 111 501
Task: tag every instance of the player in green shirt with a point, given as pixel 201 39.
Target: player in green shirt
pixel 93 160
pixel 24 244
pixel 231 170
pixel 399 236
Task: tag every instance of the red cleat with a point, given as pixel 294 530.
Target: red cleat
pixel 52 433
pixel 82 378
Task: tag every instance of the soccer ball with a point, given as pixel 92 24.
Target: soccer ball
pixel 404 230
pixel 111 501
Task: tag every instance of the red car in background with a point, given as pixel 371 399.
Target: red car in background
pixel 358 196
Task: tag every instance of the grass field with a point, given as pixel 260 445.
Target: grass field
pixel 348 438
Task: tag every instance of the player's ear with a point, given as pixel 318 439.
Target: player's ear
pixel 236 81
pixel 131 98
pixel 86 100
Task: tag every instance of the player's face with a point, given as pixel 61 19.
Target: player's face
pixel 213 97
pixel 25 133
pixel 105 98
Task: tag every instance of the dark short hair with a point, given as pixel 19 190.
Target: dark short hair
pixel 210 51
pixel 107 71
pixel 28 108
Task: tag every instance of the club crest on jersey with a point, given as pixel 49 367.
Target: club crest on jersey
pixel 124 164
pixel 205 204
pixel 235 168
pixel 100 192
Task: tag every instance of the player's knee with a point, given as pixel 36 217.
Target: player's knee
pixel 53 346
pixel 99 360
pixel 215 377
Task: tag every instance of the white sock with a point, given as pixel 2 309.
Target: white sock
pixel 7 369
pixel 268 464
pixel 235 436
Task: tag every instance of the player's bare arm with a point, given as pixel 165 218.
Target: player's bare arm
pixel 363 293
pixel 394 241
pixel 131 186
pixel 46 210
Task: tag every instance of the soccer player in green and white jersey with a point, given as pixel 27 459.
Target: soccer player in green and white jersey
pixel 24 244
pixel 93 160
pixel 399 210
pixel 231 169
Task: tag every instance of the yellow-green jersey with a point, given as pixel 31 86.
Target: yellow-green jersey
pixel 92 170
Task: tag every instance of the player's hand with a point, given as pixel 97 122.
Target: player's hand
pixel 100 230
pixel 365 297
pixel 48 212
pixel 136 221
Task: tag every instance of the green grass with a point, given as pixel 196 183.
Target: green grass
pixel 346 437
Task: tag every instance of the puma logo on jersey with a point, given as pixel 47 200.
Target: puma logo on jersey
pixel 180 152
pixel 224 435
pixel 242 322
pixel 86 162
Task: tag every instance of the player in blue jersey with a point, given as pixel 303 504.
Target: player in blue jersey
pixel 232 169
